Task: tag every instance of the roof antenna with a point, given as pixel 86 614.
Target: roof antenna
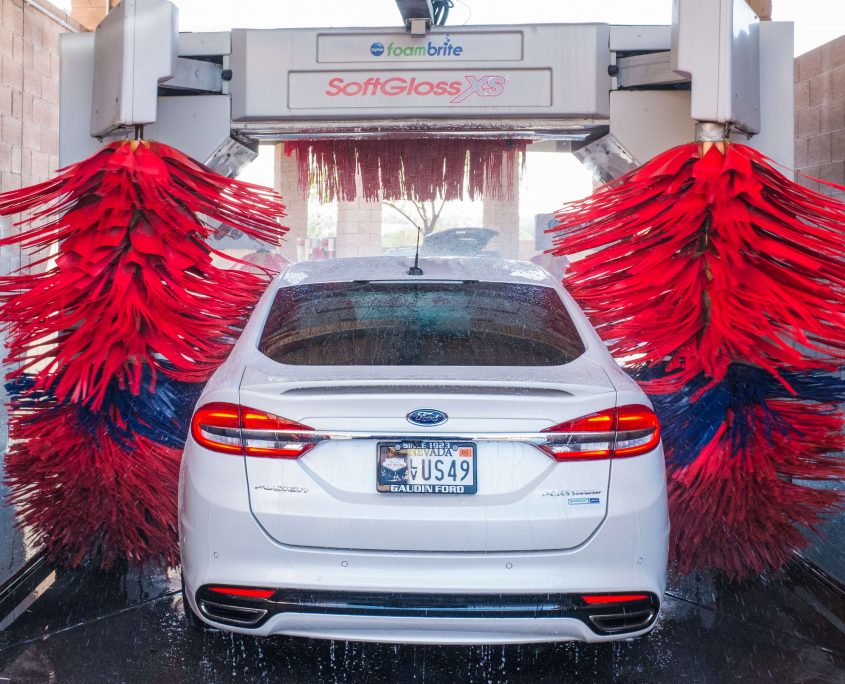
pixel 415 269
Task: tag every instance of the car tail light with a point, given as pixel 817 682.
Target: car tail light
pixel 598 599
pixel 234 429
pixel 244 592
pixel 637 430
pixel 217 427
pixel 619 432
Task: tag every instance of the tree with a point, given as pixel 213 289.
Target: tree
pixel 427 213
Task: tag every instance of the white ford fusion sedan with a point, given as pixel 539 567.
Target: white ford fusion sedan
pixel 451 458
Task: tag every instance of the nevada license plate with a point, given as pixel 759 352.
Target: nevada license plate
pixel 423 467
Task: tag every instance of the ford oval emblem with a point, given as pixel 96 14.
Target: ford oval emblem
pixel 427 417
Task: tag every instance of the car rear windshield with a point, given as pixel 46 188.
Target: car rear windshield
pixel 420 324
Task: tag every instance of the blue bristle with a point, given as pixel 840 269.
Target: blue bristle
pixel 162 416
pixel 688 425
pixel 21 393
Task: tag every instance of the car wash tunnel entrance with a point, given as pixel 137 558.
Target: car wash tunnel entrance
pixel 528 364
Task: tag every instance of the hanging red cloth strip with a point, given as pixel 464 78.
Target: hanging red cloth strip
pixel 415 169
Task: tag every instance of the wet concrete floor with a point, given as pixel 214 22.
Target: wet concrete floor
pixel 129 627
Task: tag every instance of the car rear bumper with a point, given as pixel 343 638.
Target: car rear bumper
pixel 223 545
pixel 428 618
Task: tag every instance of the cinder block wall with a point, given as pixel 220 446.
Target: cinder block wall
pixel 29 93
pixel 89 13
pixel 29 153
pixel 820 115
pixel 820 152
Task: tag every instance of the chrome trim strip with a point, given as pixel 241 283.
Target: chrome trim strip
pixel 419 389
pixel 316 436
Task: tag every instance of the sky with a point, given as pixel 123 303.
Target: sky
pixel 816 21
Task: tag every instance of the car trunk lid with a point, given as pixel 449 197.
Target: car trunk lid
pixel 525 500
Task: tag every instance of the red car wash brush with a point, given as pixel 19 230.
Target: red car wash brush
pixel 110 335
pixel 722 282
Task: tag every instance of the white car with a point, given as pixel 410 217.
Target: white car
pixel 448 458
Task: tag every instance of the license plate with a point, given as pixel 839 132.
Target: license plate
pixel 423 467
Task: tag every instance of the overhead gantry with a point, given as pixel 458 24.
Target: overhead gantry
pixel 613 95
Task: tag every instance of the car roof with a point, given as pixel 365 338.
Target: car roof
pixel 395 268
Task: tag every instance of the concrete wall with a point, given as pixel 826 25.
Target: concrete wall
pixel 820 115
pixel 286 183
pixel 503 215
pixel 359 227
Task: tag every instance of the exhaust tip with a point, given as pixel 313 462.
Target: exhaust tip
pixel 240 616
pixel 614 623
